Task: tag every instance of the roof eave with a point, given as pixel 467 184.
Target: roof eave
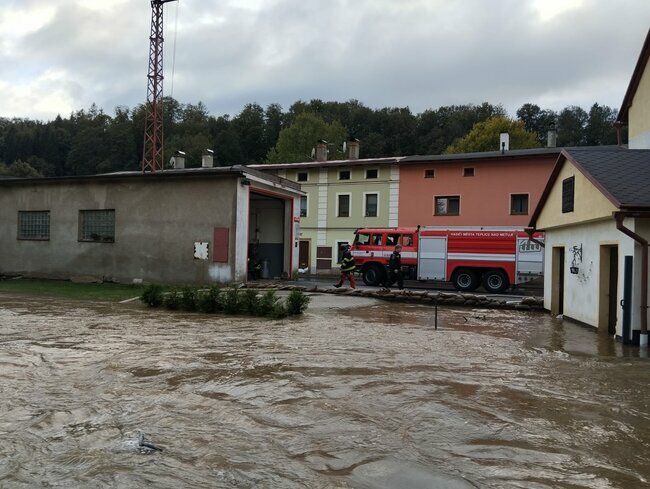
pixel 623 113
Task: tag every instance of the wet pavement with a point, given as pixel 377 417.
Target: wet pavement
pixel 356 394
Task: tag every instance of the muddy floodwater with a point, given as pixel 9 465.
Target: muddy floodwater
pixel 356 394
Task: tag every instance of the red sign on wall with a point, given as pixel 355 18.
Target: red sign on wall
pixel 220 248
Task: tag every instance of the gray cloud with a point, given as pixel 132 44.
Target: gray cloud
pixel 416 53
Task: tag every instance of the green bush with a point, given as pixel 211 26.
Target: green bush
pixel 249 302
pixel 209 301
pixel 173 300
pixel 188 299
pixel 231 301
pixel 279 311
pixel 267 303
pixel 152 295
pixel 296 302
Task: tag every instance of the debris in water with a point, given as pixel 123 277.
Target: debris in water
pixel 145 444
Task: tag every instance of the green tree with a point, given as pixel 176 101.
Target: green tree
pixel 484 136
pixel 537 120
pixel 295 142
pixel 571 123
pixel 599 129
pixel 249 124
pixel 22 169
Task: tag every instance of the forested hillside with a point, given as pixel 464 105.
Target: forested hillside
pixel 92 141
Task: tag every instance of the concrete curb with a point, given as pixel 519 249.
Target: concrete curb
pixel 416 296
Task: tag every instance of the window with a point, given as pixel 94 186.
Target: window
pixel 519 204
pixel 431 173
pixel 371 173
pixel 407 240
pixel 568 189
pixel 344 175
pixel 343 205
pixel 376 239
pixel 303 206
pixel 371 205
pixel 362 239
pixel 34 225
pixel 302 176
pixel 97 225
pixel 447 206
pixel 392 239
pixel 468 172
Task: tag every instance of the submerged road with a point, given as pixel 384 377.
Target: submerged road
pixel 358 393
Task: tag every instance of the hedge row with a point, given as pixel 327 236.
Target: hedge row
pixel 231 300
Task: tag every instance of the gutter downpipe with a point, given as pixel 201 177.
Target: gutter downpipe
pixel 620 216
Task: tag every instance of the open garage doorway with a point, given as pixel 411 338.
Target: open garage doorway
pixel 269 237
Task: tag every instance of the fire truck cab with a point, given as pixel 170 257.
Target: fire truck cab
pixel 468 257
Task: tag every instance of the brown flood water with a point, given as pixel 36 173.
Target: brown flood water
pixel 357 394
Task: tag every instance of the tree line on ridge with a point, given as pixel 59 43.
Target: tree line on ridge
pixel 91 141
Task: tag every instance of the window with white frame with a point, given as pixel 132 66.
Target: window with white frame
pixel 302 176
pixel 343 205
pixel 371 205
pixel 303 206
pixel 97 225
pixel 34 225
pixel 344 175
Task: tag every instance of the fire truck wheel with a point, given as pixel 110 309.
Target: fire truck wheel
pixel 465 280
pixel 495 281
pixel 374 275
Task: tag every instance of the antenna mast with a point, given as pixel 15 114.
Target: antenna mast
pixel 152 151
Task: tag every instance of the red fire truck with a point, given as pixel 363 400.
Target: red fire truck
pixel 465 256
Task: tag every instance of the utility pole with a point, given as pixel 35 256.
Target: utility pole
pixel 152 152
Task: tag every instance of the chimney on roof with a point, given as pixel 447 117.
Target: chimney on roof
pixel 321 150
pixel 504 142
pixel 551 137
pixel 178 160
pixel 353 149
pixel 207 160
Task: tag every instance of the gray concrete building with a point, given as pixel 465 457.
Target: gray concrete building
pixel 193 226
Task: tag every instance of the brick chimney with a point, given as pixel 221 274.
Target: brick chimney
pixel 321 150
pixel 353 149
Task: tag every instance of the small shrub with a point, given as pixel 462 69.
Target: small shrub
pixel 249 302
pixel 267 303
pixel 296 302
pixel 231 301
pixel 173 300
pixel 279 311
pixel 209 301
pixel 152 295
pixel 188 299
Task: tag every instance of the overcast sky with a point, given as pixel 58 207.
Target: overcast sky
pixel 60 56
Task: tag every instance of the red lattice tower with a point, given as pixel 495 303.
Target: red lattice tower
pixel 152 154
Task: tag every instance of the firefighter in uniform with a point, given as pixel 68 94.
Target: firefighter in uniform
pixel 347 267
pixel 395 268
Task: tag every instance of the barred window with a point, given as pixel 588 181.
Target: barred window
pixel 34 225
pixel 97 225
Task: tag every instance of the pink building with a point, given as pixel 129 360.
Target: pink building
pixel 473 189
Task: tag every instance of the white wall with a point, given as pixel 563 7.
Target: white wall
pixel 581 291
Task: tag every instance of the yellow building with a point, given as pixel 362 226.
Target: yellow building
pixel 342 196
pixel 595 212
pixel 635 109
